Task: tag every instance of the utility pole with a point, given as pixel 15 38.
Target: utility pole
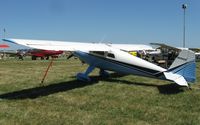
pixel 184 6
pixel 4 33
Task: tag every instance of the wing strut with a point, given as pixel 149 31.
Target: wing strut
pixel 50 64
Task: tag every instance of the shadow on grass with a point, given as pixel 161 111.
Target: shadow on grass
pixel 33 93
pixel 36 92
pixel 163 89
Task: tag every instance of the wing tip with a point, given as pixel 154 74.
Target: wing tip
pixel 9 40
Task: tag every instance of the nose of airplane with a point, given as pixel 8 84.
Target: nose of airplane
pixel 79 53
pixel 84 56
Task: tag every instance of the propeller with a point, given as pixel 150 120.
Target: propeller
pixel 70 56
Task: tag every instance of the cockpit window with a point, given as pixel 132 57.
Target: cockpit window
pixel 102 53
pixel 98 53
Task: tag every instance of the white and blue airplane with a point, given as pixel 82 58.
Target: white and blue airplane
pixel 111 57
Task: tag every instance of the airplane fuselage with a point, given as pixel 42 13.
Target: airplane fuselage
pixel 120 61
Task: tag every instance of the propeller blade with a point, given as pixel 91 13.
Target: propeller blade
pixel 70 56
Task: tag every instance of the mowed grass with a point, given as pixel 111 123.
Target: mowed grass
pixel 116 100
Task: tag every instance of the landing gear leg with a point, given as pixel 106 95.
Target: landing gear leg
pixel 84 76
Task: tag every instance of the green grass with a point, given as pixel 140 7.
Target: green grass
pixel 64 100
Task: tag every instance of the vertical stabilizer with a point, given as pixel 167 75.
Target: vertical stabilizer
pixel 184 56
pixel 183 69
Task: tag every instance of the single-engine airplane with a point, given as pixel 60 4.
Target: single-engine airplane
pixel 111 58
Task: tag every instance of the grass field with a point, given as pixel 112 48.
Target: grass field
pixel 64 100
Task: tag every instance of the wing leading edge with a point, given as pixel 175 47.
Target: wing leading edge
pixel 73 46
pixel 59 45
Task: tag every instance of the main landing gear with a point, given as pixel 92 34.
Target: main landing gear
pixel 84 76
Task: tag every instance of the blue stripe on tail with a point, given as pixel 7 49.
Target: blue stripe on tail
pixel 187 70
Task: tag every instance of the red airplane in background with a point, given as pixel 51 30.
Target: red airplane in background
pixel 44 54
pixel 2 50
pixel 4 46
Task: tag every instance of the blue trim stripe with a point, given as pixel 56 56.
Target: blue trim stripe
pixel 10 41
pixel 187 70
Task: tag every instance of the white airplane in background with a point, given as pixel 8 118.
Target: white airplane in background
pixel 112 58
pixel 132 47
pixel 162 45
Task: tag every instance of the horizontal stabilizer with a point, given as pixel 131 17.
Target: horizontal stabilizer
pixel 176 78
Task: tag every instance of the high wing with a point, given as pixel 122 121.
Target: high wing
pixel 59 45
pixel 73 46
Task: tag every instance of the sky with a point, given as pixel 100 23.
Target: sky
pixel 113 21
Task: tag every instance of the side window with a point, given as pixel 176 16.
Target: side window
pixel 100 53
pixel 111 55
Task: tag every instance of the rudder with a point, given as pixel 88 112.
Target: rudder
pixel 185 65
